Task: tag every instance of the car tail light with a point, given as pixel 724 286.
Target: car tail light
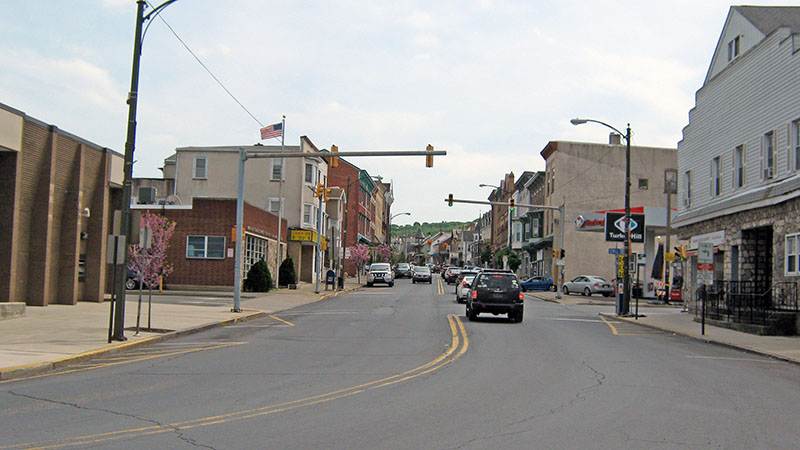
pixel 521 296
pixel 465 284
pixel 474 294
pixel 596 284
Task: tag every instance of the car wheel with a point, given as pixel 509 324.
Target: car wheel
pixel 130 284
pixel 515 316
pixel 391 284
pixel 587 292
pixel 471 315
pixel 552 288
pixel 369 284
pixel 565 289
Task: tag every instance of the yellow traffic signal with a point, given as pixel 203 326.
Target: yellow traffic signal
pixel 335 159
pixel 556 253
pixel 326 193
pixel 320 188
pixel 429 157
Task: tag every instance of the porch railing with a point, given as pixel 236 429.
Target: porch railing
pixel 747 301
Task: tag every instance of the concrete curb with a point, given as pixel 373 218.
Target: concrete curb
pixel 11 373
pixel 754 351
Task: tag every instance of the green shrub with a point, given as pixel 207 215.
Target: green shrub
pixel 286 273
pixel 258 278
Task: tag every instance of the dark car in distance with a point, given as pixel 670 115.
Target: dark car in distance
pixel 496 293
pixel 402 270
pixel 422 274
pixel 451 275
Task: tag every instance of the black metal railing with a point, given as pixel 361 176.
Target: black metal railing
pixel 746 301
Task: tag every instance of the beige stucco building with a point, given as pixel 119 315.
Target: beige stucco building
pixel 590 177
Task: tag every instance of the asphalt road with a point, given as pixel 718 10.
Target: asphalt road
pixel 401 367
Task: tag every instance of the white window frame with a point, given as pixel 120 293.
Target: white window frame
pixel 309 169
pixel 308 210
pixel 768 155
pixel 196 174
pixel 733 48
pixel 272 200
pixel 792 254
pixel 205 248
pixel 687 188
pixel 794 145
pixel 738 164
pixel 276 162
pixel 715 177
pixel 255 249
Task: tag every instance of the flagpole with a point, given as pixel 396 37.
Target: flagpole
pixel 280 203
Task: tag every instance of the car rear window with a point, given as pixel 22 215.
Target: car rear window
pixel 498 281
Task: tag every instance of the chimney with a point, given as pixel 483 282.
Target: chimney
pixel 614 139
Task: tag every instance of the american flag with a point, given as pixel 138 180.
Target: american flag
pixel 272 131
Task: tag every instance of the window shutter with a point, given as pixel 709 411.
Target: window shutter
pixel 788 147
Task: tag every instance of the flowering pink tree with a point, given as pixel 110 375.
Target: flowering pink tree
pixel 151 263
pixel 359 254
pixel 385 254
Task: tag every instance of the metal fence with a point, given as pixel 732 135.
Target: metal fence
pixel 747 301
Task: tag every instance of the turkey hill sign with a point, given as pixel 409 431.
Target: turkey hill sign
pixel 615 227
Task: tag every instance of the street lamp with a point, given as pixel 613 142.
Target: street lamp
pixel 406 239
pixel 624 308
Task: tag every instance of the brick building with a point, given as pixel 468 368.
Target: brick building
pixel 57 192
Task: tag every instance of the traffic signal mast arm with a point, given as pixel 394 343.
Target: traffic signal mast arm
pixel 518 205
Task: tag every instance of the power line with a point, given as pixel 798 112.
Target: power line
pixel 208 70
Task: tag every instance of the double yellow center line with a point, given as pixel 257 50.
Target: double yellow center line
pixel 458 346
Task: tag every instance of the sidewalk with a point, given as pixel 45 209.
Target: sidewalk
pixel 782 347
pixel 50 337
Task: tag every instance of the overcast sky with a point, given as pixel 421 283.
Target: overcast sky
pixel 490 82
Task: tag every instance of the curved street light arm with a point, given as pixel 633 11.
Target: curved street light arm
pixel 582 121
pixel 152 15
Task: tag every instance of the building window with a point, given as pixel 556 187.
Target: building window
pixel 200 166
pixel 276 169
pixel 644 183
pixel 715 177
pixel 687 188
pixel 274 205
pixel 205 247
pixel 792 251
pixel 738 167
pixel 308 212
pixel 733 48
pixel 768 157
pixel 796 144
pixel 310 173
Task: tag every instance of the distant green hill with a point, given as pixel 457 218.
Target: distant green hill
pixel 427 228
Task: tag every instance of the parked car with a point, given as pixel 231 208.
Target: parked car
pixel 588 285
pixel 451 274
pixel 132 281
pixel 497 293
pixel 538 284
pixel 463 287
pixel 380 273
pixel 402 270
pixel 465 273
pixel 422 274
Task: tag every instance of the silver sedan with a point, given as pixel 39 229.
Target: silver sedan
pixel 588 285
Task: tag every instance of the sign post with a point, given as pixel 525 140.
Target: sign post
pixel 705 268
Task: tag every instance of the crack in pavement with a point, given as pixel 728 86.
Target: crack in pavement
pixel 599 378
pixel 175 429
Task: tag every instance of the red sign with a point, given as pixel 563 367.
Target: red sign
pixel 705 266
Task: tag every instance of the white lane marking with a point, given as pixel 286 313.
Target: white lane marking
pixel 575 320
pixel 734 359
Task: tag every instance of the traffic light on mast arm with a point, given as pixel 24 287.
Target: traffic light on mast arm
pixel 334 159
pixel 429 157
pixel 450 200
pixel 325 194
pixel 512 204
pixel 320 188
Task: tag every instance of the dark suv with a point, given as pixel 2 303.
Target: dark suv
pixel 495 292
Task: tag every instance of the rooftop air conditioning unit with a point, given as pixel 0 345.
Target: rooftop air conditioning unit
pixel 147 195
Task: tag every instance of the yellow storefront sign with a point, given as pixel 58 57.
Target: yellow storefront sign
pixel 306 235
